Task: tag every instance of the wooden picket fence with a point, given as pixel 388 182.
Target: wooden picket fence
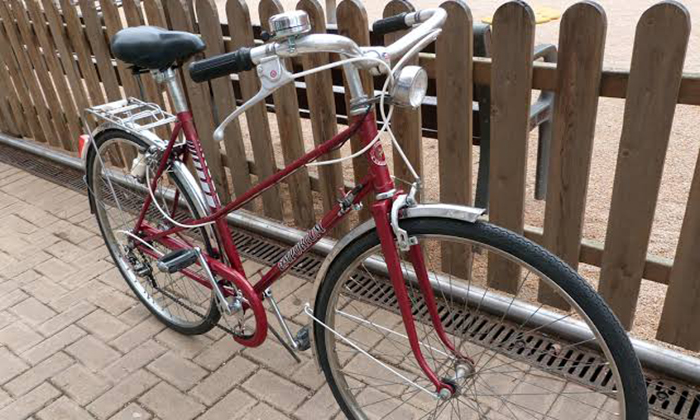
pixel 54 62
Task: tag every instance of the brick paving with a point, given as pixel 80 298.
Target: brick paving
pixel 76 344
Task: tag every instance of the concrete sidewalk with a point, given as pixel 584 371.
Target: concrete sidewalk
pixel 76 344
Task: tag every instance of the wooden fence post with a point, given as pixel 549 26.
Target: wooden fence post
pixel 406 123
pixel 319 90
pixel 657 65
pixel 21 122
pixel 200 103
pixel 353 23
pixel 454 51
pixel 224 99
pixel 291 137
pixel 258 125
pixel 579 65
pixel 682 306
pixel 511 75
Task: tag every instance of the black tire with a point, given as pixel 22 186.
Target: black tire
pixel 212 315
pixel 522 249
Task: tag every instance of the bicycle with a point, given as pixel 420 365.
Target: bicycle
pixel 406 320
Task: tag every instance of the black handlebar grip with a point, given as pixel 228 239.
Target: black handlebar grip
pixel 390 24
pixel 221 65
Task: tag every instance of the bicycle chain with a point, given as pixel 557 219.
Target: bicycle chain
pixel 191 309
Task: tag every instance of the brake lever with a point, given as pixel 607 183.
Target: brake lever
pixel 273 75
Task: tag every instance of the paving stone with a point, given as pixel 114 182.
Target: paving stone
pixel 263 411
pixel 275 390
pixel 38 374
pixel 134 360
pixel 51 345
pixel 92 352
pixel 134 315
pixel 32 311
pixel 4 398
pixel 233 406
pixel 63 409
pixel 224 379
pixel 25 263
pixel 114 301
pixel 308 375
pixel 273 356
pixel 36 399
pixel 321 406
pixel 178 371
pixel 84 274
pixel 129 388
pixel 64 250
pixel 103 325
pixel 77 296
pixel 187 346
pixel 132 412
pixel 218 353
pixel 12 298
pixel 19 337
pixel 43 289
pixel 168 403
pixel 137 335
pixel 55 269
pixel 11 365
pixel 65 318
pixel 80 384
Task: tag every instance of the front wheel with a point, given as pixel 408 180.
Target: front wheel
pixel 567 359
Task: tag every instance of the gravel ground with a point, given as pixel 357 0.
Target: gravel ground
pixel 681 157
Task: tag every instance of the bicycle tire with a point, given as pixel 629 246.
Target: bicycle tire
pixel 211 314
pixel 488 235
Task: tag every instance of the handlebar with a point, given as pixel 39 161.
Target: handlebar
pixel 245 59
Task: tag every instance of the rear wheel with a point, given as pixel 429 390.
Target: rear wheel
pixel 117 198
pixel 526 362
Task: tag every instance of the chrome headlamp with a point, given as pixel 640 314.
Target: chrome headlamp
pixel 410 86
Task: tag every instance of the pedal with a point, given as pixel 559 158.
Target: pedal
pixel 177 260
pixel 303 339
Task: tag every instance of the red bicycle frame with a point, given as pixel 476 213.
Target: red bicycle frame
pixel 377 181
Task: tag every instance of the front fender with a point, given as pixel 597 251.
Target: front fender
pixel 437 210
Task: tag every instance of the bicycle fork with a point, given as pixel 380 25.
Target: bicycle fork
pixel 380 210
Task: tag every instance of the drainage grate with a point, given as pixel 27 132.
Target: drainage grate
pixel 667 398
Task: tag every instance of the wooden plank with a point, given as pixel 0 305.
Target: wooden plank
pixel 113 24
pixel 200 105
pixel 291 136
pixel 455 49
pixel 82 49
pixel 27 85
pixel 513 43
pixel 98 42
pixel 152 91
pixel 353 23
pixel 657 64
pixel 258 124
pixel 63 46
pixel 61 137
pixel 682 306
pixel 8 88
pixel 580 62
pixel 155 13
pixel 59 78
pixel 23 78
pixel 406 122
pixel 323 119
pixel 224 99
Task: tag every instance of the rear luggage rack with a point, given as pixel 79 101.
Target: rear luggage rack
pixel 132 114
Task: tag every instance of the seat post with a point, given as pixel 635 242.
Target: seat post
pixel 170 79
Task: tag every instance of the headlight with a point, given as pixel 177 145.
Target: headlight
pixel 410 87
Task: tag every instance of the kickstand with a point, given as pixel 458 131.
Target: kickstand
pixel 284 343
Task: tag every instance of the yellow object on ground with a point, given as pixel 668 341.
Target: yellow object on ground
pixel 543 14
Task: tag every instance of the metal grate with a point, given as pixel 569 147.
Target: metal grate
pixel 668 398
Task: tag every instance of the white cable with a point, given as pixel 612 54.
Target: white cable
pixel 167 217
pixel 127 233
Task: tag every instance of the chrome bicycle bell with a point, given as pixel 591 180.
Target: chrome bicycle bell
pixel 288 24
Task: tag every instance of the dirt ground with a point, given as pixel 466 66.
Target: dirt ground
pixel 681 156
